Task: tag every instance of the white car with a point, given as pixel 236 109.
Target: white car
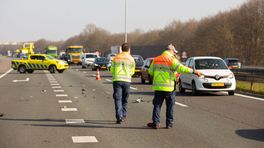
pixel 88 59
pixel 217 76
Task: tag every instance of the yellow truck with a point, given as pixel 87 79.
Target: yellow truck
pixel 39 62
pixel 27 49
pixel 74 54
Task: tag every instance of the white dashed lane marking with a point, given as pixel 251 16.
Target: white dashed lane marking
pixel 58 90
pixel 64 109
pixel 133 88
pixel 84 139
pixel 61 95
pixel 56 86
pixel 53 84
pixel 180 104
pixel 108 80
pixel 74 121
pixel 65 101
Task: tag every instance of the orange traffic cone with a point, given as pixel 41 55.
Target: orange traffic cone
pixel 97 75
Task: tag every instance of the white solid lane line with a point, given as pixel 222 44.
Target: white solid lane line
pixel 6 73
pixel 74 121
pixel 133 88
pixel 58 90
pixel 65 101
pixel 61 95
pixel 84 139
pixel 245 96
pixel 180 104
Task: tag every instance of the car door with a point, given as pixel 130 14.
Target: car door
pixel 187 78
pixel 33 63
pixel 145 69
pixel 184 77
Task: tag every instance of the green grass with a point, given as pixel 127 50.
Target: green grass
pixel 257 88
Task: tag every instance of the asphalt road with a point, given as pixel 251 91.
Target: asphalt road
pixel 34 117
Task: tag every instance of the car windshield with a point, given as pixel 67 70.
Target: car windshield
pixel 91 56
pixel 74 50
pixel 101 60
pixel 50 57
pixel 210 64
pixel 138 60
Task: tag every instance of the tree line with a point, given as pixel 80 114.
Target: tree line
pixel 235 33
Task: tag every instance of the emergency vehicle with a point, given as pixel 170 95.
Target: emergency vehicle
pixel 39 62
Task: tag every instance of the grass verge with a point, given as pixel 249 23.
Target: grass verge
pixel 257 88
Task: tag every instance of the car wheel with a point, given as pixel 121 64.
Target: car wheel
pixel 60 71
pixel 231 93
pixel 181 89
pixel 52 69
pixel 83 67
pixel 22 69
pixel 142 80
pixel 30 70
pixel 194 90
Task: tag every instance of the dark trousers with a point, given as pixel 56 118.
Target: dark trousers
pixel 121 94
pixel 157 102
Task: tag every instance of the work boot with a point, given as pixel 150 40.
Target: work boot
pixel 169 126
pixel 154 126
pixel 1 114
pixel 119 121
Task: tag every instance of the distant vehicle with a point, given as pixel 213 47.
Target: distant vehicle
pixel 139 63
pixel 144 71
pixel 217 76
pixel 39 62
pixel 88 59
pixel 232 63
pixel 115 49
pixel 74 54
pixel 27 49
pixel 111 56
pixel 101 63
pixel 52 51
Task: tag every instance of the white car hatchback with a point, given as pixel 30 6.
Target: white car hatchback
pixel 216 76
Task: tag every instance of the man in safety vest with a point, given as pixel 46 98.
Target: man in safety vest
pixel 163 70
pixel 122 69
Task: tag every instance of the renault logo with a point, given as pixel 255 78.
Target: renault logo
pixel 217 77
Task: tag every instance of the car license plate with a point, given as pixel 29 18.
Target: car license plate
pixel 103 66
pixel 218 84
pixel 137 70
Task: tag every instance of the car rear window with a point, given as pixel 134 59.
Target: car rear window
pixel 91 56
pixel 101 60
pixel 210 64
pixel 138 60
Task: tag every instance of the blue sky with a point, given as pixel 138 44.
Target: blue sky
pixel 25 20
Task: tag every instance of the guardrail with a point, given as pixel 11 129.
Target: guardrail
pixel 250 75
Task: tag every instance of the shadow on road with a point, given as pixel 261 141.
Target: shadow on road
pixel 253 134
pixel 88 123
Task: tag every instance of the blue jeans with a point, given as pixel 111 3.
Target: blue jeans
pixel 121 94
pixel 157 102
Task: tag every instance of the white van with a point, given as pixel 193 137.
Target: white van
pixel 88 59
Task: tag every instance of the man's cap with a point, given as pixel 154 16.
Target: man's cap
pixel 171 47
